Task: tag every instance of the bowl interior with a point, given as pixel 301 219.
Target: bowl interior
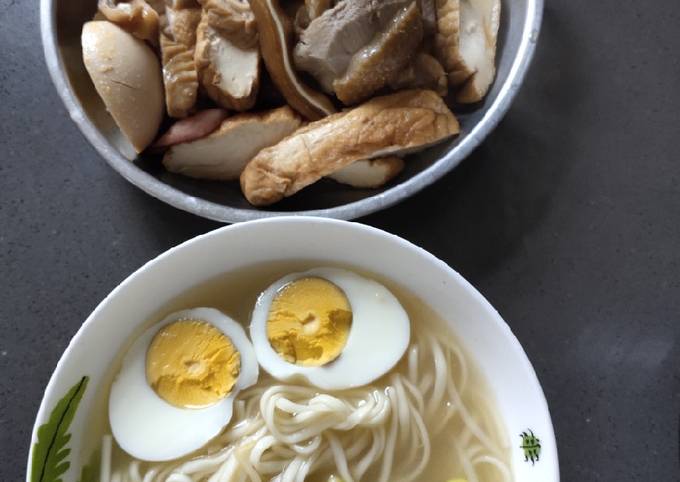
pixel 224 201
pixel 477 325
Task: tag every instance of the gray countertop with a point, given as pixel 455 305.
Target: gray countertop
pixel 567 219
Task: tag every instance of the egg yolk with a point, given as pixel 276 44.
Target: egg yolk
pixel 309 322
pixel 192 364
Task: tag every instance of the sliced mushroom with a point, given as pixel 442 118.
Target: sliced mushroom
pixel 234 19
pixel 195 127
pixel 178 41
pixel 466 44
pixel 180 24
pixel 230 74
pixel 223 154
pixel 369 174
pixel 275 33
pixel 135 16
pixel 447 41
pixel 480 20
pixel 381 60
pixel 424 72
pixel 179 76
pixel 395 124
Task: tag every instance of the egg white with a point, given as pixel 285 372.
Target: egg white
pixel 378 338
pixel 149 428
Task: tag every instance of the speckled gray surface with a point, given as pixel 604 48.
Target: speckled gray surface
pixel 567 219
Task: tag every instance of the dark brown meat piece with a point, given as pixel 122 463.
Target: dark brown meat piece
pixel 381 61
pixel 327 46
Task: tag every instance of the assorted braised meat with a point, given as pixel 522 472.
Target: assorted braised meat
pixel 363 83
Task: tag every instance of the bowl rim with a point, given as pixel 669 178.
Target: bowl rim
pixel 548 439
pixel 219 212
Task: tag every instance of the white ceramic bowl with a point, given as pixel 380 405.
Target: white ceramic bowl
pixel 497 352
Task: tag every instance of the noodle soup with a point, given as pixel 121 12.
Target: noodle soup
pixel 425 414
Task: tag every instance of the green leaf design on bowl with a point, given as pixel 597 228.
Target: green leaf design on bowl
pixel 531 445
pixel 50 452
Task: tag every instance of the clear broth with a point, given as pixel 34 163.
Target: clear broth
pixel 235 294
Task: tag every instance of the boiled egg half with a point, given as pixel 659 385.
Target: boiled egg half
pixel 331 327
pixel 177 383
pixel 128 77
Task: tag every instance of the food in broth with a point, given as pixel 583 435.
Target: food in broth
pixel 297 373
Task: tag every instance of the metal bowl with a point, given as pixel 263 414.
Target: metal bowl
pixel 61 24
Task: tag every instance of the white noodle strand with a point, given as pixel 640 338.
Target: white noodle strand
pixel 384 432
